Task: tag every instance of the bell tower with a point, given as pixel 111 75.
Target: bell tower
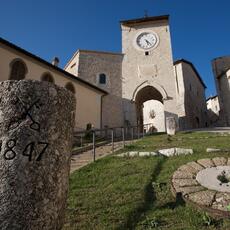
pixel 147 67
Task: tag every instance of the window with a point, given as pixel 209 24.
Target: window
pixel 102 78
pixel 70 87
pixel 190 87
pixel 18 70
pixel 47 77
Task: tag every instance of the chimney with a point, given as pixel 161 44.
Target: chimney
pixel 55 61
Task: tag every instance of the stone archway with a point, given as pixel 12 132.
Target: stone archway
pixel 150 107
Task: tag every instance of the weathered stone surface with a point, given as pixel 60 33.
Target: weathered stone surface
pixel 136 153
pixel 170 126
pixel 167 152
pixel 183 175
pixel 196 166
pixel 222 200
pixel 188 190
pixel 184 182
pixel 143 154
pixel 36 129
pixel 175 151
pixel 210 150
pixel 219 161
pixel 188 169
pixel 203 197
pixel 133 154
pixel 228 161
pixel 209 178
pixel 207 163
pixel 182 151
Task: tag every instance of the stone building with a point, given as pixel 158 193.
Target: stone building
pixel 18 64
pixel 213 108
pixel 139 85
pixel 221 70
pixel 191 102
pixel 143 79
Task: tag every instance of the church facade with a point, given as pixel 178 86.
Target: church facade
pixel 144 85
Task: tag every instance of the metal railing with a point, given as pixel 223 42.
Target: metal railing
pixel 91 139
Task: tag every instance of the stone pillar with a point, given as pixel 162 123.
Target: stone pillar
pixel 36 130
pixel 171 126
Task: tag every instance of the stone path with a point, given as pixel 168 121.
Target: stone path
pixel 80 160
pixel 184 182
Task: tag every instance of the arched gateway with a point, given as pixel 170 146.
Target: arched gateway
pixel 150 108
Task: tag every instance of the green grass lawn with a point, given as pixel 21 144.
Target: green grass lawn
pixel 134 193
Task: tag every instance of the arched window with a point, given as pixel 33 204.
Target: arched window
pixel 70 87
pixel 18 70
pixel 102 78
pixel 47 77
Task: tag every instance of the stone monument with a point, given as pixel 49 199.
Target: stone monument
pixel 171 126
pixel 36 130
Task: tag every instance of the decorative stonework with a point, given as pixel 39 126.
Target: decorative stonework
pixel 199 183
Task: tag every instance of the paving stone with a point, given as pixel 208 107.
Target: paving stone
pixel 222 200
pixel 228 161
pixel 218 161
pixel 188 169
pixel 210 150
pixel 188 190
pixel 167 152
pixel 203 197
pixel 144 154
pixel 153 154
pixel 133 154
pixel 207 163
pixel 183 175
pixel 196 166
pixel 181 151
pixel 184 182
pixel 175 151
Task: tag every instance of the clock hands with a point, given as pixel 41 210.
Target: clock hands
pixel 148 43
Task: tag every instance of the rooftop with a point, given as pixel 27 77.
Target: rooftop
pixel 194 69
pixel 48 64
pixel 145 19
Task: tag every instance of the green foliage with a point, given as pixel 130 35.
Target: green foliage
pixel 228 207
pixel 207 219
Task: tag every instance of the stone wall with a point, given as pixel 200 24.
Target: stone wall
pixel 213 108
pixel 191 97
pixel 93 63
pixel 221 70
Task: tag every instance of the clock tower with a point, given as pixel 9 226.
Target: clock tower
pixel 147 67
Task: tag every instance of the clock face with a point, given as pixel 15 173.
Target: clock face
pixel 147 40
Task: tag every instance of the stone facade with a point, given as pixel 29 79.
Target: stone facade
pixel 147 75
pixel 153 113
pixel 88 65
pixel 192 110
pixel 221 70
pixel 213 108
pixel 139 75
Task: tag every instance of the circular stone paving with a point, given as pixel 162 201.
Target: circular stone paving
pixel 205 183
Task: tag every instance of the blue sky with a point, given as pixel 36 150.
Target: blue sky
pixel 200 29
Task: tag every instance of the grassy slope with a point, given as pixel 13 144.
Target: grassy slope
pixel 134 193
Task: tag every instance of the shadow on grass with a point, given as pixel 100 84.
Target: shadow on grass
pixel 172 205
pixel 149 199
